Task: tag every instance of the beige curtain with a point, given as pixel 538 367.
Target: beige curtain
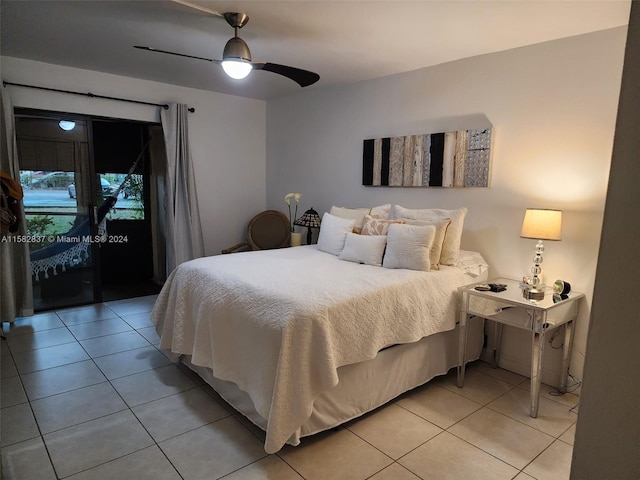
pixel 16 290
pixel 184 240
pixel 158 158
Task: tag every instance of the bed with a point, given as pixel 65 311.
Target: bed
pixel 299 340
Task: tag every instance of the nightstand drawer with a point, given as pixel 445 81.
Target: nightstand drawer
pixel 562 313
pixel 518 317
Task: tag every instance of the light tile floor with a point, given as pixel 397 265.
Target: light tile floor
pixel 86 394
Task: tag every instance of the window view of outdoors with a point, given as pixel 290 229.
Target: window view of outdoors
pixel 52 208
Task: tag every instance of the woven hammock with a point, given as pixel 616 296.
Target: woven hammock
pixel 72 248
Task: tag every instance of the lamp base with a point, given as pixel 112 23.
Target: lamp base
pixel 296 239
pixel 533 293
pixel 528 282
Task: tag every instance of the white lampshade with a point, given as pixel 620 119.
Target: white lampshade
pixel 237 69
pixel 541 224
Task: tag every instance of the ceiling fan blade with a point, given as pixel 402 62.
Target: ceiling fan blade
pixel 198 7
pixel 304 78
pixel 172 53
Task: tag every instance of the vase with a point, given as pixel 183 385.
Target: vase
pixel 296 239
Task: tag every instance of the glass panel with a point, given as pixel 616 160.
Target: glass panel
pixel 57 195
pixel 130 199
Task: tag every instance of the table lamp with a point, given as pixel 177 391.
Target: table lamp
pixel 540 224
pixel 309 219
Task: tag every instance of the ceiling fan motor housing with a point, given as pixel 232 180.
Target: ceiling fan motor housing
pixel 236 48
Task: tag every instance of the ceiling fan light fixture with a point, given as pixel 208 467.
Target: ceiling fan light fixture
pixel 236 69
pixel 236 58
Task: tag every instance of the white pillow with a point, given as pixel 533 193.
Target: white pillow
pixel 356 214
pixel 472 263
pixel 333 231
pixel 438 240
pixel 381 211
pixel 367 249
pixel 409 246
pixel 453 237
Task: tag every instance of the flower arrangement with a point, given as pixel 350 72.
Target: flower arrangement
pixel 287 198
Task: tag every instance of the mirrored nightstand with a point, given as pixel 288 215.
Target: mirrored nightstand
pixel 510 307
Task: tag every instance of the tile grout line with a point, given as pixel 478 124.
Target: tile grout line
pixel 530 426
pixel 515 387
pixel 488 453
pixel 414 449
pixel 540 454
pixel 290 466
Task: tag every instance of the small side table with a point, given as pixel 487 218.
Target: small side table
pixel 509 307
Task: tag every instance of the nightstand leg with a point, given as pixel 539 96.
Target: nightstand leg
pixel 497 339
pixel 566 355
pixel 463 332
pixel 537 349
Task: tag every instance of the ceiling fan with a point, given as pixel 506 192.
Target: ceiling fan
pixel 236 57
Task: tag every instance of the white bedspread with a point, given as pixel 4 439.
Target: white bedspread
pixel 279 323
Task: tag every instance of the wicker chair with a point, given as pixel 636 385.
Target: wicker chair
pixel 267 230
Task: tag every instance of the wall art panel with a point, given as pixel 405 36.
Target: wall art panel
pixel 451 159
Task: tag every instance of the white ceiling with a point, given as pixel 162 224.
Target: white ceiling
pixel 343 41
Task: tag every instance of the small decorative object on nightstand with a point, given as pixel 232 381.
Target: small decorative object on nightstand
pixel 309 219
pixel 539 224
pixel 508 307
pixel 561 290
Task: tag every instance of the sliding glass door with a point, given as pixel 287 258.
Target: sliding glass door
pixel 61 196
pixel 92 186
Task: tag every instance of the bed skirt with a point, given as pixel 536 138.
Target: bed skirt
pixel 367 385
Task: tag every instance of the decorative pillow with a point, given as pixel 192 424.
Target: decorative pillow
pixel 409 246
pixel 438 241
pixel 376 226
pixel 453 237
pixel 333 231
pixel 364 249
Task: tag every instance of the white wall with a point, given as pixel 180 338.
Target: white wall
pixel 607 443
pixel 227 135
pixel 552 107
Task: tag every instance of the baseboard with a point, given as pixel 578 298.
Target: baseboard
pixel 549 376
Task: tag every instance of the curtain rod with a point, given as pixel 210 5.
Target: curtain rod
pixel 92 95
